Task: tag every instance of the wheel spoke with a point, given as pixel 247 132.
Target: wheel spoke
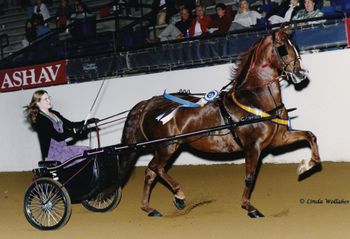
pixel 103 202
pixel 53 217
pixel 58 215
pixel 55 199
pixel 40 216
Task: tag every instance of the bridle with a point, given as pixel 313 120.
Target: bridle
pixel 282 51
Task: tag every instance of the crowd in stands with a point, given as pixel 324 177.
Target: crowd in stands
pixel 180 18
pixel 194 23
pixel 36 26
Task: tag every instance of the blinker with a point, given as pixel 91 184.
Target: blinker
pixel 282 51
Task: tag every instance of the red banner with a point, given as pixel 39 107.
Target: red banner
pixel 347 30
pixel 52 73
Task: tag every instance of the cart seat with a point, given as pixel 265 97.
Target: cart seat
pixel 48 164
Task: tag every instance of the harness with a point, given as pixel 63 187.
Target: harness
pixel 252 110
pixel 228 120
pixel 261 113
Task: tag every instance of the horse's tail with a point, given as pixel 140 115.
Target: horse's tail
pixel 132 134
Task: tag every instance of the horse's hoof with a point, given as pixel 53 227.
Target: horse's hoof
pixel 310 171
pixel 179 203
pixel 303 167
pixel 255 214
pixel 154 213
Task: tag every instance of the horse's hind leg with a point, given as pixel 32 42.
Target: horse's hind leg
pixel 251 161
pixel 290 137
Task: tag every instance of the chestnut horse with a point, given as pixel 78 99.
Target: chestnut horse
pixel 256 85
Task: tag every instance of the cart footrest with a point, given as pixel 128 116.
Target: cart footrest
pixel 48 164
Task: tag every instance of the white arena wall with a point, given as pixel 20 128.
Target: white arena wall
pixel 323 107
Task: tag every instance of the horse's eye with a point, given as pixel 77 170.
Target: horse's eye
pixel 282 50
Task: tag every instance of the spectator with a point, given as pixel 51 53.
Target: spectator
pixel 84 23
pixel 164 15
pixel 178 30
pixel 286 12
pixel 200 24
pixel 63 13
pixel 270 8
pixel 30 33
pixel 222 21
pixel 78 5
pixel 41 29
pixel 64 9
pixel 310 11
pixel 177 17
pixel 40 10
pixel 81 11
pixel 244 18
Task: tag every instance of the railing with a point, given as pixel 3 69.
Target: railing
pixel 51 48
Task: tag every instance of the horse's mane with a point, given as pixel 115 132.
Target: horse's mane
pixel 243 63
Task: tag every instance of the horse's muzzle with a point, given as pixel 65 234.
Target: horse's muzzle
pixel 298 76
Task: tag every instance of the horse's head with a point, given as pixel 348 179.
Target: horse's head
pixel 287 57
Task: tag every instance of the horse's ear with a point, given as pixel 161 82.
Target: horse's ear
pixel 287 29
pixel 283 32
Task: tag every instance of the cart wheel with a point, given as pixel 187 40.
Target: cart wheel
pixel 101 203
pixel 47 204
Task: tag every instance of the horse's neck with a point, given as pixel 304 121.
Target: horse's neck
pixel 258 83
pixel 261 90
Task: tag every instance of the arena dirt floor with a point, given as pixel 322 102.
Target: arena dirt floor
pixel 213 206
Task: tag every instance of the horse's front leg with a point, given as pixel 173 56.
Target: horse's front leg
pixel 251 161
pixel 293 136
pixel 156 168
pixel 179 196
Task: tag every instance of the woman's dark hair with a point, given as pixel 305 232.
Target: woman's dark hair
pixel 30 31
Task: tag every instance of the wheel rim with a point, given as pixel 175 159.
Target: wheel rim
pixel 46 205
